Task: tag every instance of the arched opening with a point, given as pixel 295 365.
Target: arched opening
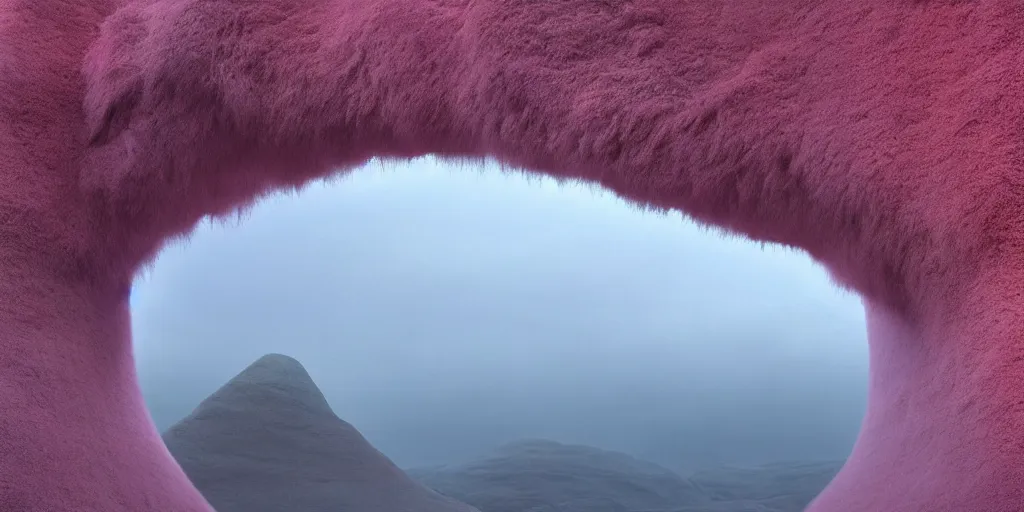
pixel 447 310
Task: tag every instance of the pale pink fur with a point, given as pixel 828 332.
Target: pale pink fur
pixel 884 137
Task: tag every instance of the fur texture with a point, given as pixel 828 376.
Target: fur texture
pixel 883 137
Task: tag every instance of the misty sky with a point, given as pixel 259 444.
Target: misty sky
pixel 444 310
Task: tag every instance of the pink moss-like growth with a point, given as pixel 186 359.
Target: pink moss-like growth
pixel 886 138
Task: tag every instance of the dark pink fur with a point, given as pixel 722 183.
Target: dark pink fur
pixel 884 137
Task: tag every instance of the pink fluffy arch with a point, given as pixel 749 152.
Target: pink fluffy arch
pixel 883 137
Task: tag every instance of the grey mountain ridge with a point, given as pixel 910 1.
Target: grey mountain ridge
pixel 547 476
pixel 268 441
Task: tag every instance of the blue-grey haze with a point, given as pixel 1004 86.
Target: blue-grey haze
pixel 444 311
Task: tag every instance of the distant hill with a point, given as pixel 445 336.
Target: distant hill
pixel 546 476
pixel 267 441
pixel 786 487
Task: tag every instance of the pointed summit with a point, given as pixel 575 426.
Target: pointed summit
pixel 274 377
pixel 277 370
pixel 280 364
pixel 268 441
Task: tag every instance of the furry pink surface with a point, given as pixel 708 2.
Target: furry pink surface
pixel 886 138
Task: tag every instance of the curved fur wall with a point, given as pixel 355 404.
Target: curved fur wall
pixel 884 137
